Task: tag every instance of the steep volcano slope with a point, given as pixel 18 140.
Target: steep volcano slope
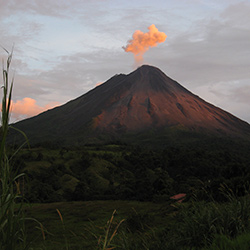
pixel 142 100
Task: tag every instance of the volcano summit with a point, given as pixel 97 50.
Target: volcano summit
pixel 142 101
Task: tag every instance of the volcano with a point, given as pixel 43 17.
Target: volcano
pixel 143 101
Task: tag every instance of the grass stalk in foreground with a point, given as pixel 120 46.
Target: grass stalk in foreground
pixel 106 243
pixel 64 229
pixel 12 229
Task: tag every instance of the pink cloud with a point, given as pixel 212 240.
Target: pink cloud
pixel 28 107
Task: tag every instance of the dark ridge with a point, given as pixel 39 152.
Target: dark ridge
pixel 179 106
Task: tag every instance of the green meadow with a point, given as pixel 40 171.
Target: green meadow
pixel 140 225
pixel 85 224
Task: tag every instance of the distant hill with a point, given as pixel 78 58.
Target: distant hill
pixel 145 106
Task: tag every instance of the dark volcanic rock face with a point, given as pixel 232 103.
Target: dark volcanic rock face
pixel 141 100
pixel 150 99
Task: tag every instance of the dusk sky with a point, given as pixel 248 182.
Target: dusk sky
pixel 62 49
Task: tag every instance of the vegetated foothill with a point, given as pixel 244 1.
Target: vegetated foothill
pixel 139 182
pixel 155 139
pixel 134 173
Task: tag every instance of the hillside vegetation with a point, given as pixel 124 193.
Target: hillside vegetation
pixel 87 184
pixel 134 173
pixel 141 225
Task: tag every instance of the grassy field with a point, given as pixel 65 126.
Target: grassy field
pixel 85 223
pixel 140 225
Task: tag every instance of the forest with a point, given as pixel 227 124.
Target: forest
pixel 122 172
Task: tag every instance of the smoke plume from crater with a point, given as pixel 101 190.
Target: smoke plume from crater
pixel 141 42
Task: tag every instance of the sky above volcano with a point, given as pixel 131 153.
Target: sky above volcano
pixel 62 49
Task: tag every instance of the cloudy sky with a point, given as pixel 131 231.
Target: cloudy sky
pixel 62 48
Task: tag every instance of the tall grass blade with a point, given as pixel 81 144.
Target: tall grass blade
pixel 12 220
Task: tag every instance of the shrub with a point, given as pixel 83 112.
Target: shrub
pixel 198 223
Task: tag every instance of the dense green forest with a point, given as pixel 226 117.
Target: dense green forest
pixel 134 173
